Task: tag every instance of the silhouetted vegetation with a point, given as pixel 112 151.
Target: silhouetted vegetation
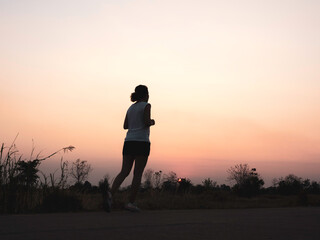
pixel 25 188
pixel 292 184
pixel 20 184
pixel 80 171
pixel 104 187
pixel 248 181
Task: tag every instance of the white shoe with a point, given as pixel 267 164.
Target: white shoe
pixel 132 207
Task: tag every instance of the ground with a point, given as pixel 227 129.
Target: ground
pixel 275 223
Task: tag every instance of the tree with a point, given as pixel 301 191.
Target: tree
pixel 80 171
pixel 250 187
pixel 209 184
pixel 248 182
pixel 148 178
pixel 170 182
pixel 104 185
pixel 239 173
pixel 171 176
pixel 157 179
pixel 184 185
pixel 291 184
pixel 314 188
pixel 27 172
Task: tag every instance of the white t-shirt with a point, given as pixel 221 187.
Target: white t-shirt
pixel 137 130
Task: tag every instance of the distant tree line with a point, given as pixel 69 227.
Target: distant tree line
pixel 247 182
pixel 24 187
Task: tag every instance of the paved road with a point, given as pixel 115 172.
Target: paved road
pixel 285 223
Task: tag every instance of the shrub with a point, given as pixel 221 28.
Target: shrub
pixel 104 187
pixel 184 185
pixel 170 182
pixel 20 188
pixel 250 187
pixel 289 185
pixel 248 182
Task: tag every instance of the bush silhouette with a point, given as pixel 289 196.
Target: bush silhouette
pixel 250 187
pixel 80 171
pixel 21 189
pixel 248 182
pixel 27 172
pixel 289 185
pixel 314 188
pixel 184 185
pixel 170 182
pixel 104 187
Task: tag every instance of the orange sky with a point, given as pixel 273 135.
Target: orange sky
pixel 229 83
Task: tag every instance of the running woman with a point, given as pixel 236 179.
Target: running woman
pixel 136 148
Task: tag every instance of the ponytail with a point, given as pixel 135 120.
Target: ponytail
pixel 133 97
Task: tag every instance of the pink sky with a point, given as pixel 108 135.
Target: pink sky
pixel 229 83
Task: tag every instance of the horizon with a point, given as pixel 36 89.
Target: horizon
pixel 100 169
pixel 229 83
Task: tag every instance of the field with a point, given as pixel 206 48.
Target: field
pixel 153 200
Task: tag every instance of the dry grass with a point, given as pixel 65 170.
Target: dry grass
pixel 215 200
pixel 91 202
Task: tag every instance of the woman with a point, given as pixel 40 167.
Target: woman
pixel 136 146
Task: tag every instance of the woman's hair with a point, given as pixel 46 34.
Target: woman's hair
pixel 139 93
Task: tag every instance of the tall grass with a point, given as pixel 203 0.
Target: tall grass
pixel 20 187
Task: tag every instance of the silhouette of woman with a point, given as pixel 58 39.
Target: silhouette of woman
pixel 136 146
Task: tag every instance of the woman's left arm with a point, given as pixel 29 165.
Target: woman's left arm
pixel 147 116
pixel 125 124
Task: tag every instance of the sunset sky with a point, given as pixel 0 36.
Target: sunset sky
pixel 230 82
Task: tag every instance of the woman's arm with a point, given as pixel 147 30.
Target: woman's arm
pixel 125 124
pixel 147 116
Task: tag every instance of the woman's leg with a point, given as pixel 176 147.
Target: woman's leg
pixel 127 164
pixel 140 163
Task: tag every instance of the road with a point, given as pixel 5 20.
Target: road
pixel 276 223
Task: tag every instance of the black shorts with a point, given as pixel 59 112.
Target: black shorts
pixel 136 148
